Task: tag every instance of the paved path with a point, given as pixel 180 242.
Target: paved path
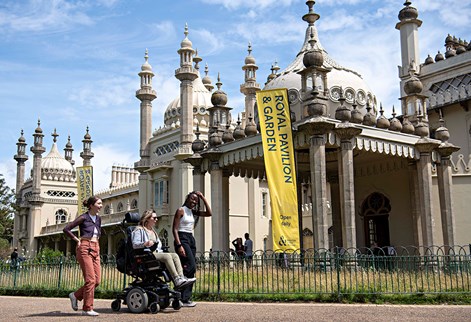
pixel 15 308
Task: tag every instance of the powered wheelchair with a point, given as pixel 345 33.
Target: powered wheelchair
pixel 149 290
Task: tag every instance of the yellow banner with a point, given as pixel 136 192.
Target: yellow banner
pixel 278 152
pixel 84 186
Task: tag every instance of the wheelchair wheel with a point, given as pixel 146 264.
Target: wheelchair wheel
pixel 137 300
pixel 154 307
pixel 116 305
pixel 176 304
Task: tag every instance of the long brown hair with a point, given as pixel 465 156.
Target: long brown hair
pixel 90 201
pixel 146 217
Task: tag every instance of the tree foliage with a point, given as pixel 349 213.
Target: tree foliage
pixel 7 211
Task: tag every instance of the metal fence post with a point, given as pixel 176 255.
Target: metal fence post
pixel 60 272
pixel 219 275
pixel 337 268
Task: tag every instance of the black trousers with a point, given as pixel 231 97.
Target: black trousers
pixel 189 262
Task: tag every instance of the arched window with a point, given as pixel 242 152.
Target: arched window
pixel 61 216
pixel 134 204
pixel 120 207
pixel 107 210
pixel 163 235
pixel 375 211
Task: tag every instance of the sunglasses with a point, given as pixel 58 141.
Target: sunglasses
pixel 154 217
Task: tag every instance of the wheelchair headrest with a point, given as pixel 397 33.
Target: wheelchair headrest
pixel 132 217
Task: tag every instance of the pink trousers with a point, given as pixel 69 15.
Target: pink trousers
pixel 88 256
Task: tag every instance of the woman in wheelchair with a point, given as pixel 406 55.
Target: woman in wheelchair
pixel 144 236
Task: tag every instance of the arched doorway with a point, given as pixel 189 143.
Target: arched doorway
pixel 375 211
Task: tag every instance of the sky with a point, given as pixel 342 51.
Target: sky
pixel 74 64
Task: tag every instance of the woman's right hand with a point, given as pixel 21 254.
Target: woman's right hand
pixel 181 251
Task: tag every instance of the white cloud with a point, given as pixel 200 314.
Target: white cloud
pixel 260 4
pixel 43 15
pixel 106 93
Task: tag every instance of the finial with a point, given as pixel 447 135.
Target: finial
pixel 249 48
pixel 186 29
pixel 54 135
pixel 381 111
pixel 407 3
pixel 146 56
pixel 206 69
pixel 393 111
pixel 219 84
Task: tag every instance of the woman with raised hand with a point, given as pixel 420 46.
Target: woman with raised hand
pixel 185 220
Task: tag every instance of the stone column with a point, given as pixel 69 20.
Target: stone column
pixel 444 191
pixel 336 211
pixel 318 127
pixel 424 170
pixel 68 247
pixel 198 185
pixel 414 204
pixel 346 133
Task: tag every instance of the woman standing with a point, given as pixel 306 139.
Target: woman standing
pixel 87 253
pixel 186 217
pixel 144 236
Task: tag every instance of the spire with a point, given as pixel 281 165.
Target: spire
pixel 197 59
pixel 87 153
pixel 54 135
pixel 68 151
pixel 207 80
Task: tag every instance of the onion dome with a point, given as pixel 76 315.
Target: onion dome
pixel 197 145
pixel 55 167
pixel 357 116
pixel 250 127
pixel 395 124
pixel 207 80
pixel 439 56
pixel 448 39
pixel 313 58
pixel 342 113
pixel 421 129
pixel 238 132
pixel 219 97
pixel 186 43
pixel 407 126
pixel 460 50
pixel 201 103
pixel 21 139
pixel 442 132
pixel 227 135
pixel 250 60
pixel 215 139
pixel 38 130
pixel 413 85
pixel 408 12
pixel 450 53
pixel 382 122
pixel 146 67
pixel 369 119
pixel 428 60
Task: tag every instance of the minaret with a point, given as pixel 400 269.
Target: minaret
pixel 38 149
pixel 21 159
pixel 207 80
pixel 68 151
pixel 408 27
pixel 250 87
pixel 146 95
pixel 87 153
pixel 35 199
pixel 186 74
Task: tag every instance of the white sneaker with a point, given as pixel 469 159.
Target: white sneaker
pixel 189 304
pixel 90 313
pixel 182 281
pixel 73 301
